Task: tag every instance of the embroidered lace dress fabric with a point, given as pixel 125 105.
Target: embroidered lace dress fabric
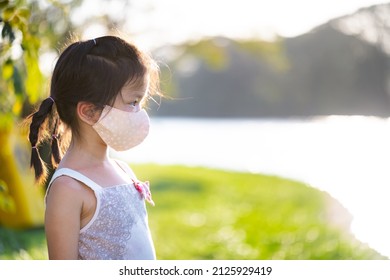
pixel 119 228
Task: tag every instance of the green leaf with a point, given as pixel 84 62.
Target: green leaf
pixel 8 12
pixel 6 120
pixel 23 13
pixel 17 81
pixel 7 203
pixel 8 32
pixel 3 3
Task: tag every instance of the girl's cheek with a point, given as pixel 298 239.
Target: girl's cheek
pixel 135 108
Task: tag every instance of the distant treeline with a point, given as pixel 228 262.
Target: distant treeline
pixel 321 72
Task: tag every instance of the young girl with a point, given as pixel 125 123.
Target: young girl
pixel 95 206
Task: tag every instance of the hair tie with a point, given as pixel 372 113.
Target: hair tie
pixel 51 98
pixel 94 41
pixel 34 147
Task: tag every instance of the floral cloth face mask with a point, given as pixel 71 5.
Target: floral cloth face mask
pixel 122 130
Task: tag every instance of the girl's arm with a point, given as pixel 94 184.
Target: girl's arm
pixel 62 218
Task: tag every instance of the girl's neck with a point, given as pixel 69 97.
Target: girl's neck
pixel 81 154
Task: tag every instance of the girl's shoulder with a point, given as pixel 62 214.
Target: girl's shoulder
pixel 67 190
pixel 67 184
pixel 64 200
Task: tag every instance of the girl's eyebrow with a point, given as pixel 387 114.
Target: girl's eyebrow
pixel 138 92
pixel 139 95
pixel 134 95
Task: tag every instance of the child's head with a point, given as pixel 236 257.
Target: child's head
pixel 91 71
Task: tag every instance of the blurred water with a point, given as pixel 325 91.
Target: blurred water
pixel 345 156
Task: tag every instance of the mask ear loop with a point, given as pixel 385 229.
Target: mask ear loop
pixel 104 112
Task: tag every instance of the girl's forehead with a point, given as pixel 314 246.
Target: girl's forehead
pixel 135 89
pixel 139 84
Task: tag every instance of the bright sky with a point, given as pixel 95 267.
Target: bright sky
pixel 159 22
pixel 153 23
pixel 244 18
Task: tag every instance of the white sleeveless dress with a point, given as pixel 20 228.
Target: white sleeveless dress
pixel 119 227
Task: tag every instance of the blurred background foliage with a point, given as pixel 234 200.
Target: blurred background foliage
pixel 28 30
pixel 341 67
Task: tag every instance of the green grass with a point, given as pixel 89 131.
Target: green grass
pixel 22 244
pixel 212 214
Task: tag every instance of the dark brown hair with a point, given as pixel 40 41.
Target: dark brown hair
pixel 92 71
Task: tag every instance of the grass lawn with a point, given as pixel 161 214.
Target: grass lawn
pixel 212 214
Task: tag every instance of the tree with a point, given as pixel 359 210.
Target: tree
pixel 27 29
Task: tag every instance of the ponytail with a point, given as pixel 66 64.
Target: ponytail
pixel 55 147
pixel 38 118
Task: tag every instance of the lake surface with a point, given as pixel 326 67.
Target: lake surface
pixel 347 156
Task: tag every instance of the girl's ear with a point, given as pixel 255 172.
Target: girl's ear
pixel 88 113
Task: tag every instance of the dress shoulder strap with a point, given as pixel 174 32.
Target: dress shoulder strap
pixel 126 168
pixel 75 175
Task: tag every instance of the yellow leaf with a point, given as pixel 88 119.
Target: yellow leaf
pixel 17 108
pixel 23 13
pixel 34 79
pixel 8 13
pixel 7 71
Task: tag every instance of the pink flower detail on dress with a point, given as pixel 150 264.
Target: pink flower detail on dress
pixel 144 190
